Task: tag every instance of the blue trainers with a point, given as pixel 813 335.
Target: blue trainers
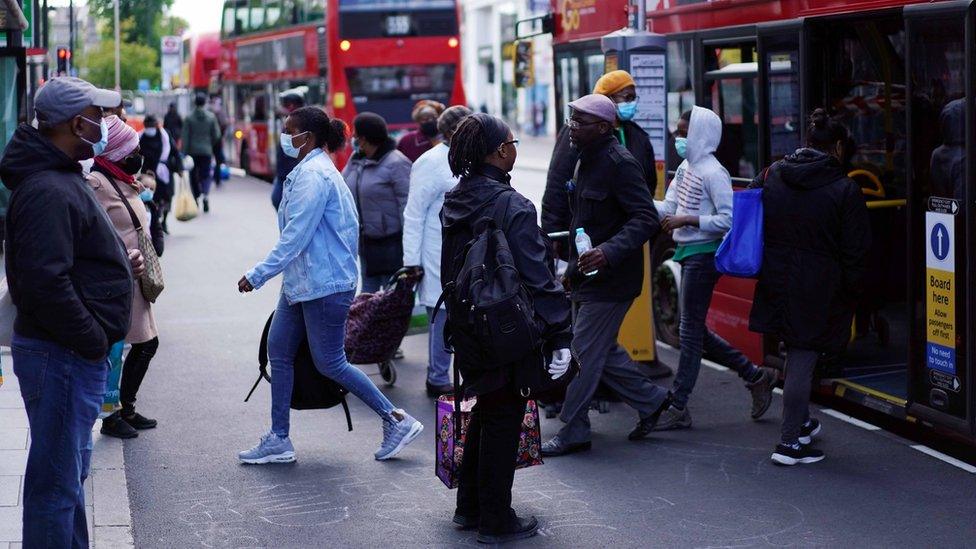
pixel 397 434
pixel 271 449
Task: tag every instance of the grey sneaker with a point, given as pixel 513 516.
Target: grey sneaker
pixel 762 391
pixel 397 434
pixel 271 449
pixel 673 418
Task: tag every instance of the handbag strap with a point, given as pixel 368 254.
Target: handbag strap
pixel 125 202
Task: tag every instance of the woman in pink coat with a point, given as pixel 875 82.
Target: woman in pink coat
pixel 113 178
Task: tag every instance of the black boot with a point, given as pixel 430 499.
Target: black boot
pixel 115 426
pixel 519 528
pixel 138 421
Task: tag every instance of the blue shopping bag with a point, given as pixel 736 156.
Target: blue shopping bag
pixel 741 252
pixel 110 403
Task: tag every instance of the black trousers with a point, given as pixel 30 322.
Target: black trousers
pixel 134 371
pixel 200 175
pixel 488 466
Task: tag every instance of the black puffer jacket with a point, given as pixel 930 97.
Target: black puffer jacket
pixel 556 214
pixel 67 268
pixel 817 236
pixel 472 199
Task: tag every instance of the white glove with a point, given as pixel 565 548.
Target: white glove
pixel 560 363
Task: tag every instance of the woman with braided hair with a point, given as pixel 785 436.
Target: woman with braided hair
pixel 483 154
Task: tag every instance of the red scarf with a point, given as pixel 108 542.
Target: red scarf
pixel 115 171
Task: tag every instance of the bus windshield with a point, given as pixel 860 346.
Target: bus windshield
pixel 360 19
pixel 391 91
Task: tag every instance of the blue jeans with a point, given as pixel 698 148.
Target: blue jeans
pixel 439 361
pixel 698 279
pixel 62 394
pixel 323 321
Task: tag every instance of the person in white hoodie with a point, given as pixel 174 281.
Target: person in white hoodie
pixel 697 210
pixel 430 179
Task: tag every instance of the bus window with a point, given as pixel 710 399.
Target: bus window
pixel 681 91
pixel 391 91
pixel 730 90
pixel 785 119
pixel 273 14
pixel 569 82
pixel 864 86
pixel 377 19
pixel 939 109
pixel 594 70
pixel 230 21
pixel 257 15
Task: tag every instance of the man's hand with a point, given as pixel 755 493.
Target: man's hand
pixel 137 262
pixel 672 222
pixel 592 260
pixel 244 286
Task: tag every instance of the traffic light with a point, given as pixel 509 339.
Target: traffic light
pixel 524 64
pixel 64 54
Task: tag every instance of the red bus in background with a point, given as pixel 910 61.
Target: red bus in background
pixel 887 69
pixel 348 56
pixel 201 61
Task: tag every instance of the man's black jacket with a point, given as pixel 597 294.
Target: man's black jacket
pixel 67 268
pixel 555 202
pixel 612 204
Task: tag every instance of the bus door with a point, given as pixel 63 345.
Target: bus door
pixel 729 82
pixel 781 108
pixel 578 67
pixel 940 67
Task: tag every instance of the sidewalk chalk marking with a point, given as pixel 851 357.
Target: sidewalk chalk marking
pixel 943 457
pixel 852 420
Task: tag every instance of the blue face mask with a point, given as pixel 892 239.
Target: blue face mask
pixel 288 144
pixel 681 145
pixel 627 111
pixel 98 147
pixel 146 195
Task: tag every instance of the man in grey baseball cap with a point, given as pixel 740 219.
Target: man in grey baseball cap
pixel 71 280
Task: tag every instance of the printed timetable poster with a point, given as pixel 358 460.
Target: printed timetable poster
pixel 940 286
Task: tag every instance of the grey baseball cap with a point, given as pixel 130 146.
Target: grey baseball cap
pixel 64 97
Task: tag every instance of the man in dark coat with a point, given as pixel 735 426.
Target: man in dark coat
pixel 816 240
pixel 71 280
pixel 612 205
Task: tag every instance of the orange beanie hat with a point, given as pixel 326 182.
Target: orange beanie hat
pixel 612 82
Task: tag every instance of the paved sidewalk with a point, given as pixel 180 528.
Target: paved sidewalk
pixel 106 494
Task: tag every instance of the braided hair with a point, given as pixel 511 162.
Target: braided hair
pixel 476 137
pixel 823 133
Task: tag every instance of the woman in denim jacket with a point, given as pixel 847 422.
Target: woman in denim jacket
pixel 317 252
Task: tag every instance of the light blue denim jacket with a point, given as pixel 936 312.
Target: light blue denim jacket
pixel 319 239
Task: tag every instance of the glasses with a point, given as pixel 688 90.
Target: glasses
pixel 514 142
pixel 574 124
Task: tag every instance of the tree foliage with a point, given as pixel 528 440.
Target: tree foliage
pixel 138 62
pixel 146 16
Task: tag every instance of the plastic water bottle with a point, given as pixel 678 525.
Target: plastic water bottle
pixel 583 245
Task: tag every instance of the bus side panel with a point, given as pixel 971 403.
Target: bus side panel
pixel 728 316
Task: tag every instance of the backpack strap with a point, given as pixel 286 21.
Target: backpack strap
pixel 502 203
pixel 263 364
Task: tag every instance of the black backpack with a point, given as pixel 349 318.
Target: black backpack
pixel 491 319
pixel 311 390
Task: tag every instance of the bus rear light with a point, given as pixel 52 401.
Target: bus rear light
pixel 452 42
pixel 345 45
pixel 239 135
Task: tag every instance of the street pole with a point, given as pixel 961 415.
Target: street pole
pixel 117 59
pixel 71 35
pixel 46 21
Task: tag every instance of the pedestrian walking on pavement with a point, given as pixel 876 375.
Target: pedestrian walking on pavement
pixel 482 153
pixel 317 254
pixel 611 203
pixel 114 179
pixel 415 143
pixel 70 278
pixel 618 86
pixel 697 211
pixel 379 177
pixel 200 134
pixel 157 147
pixel 430 179
pixel 284 164
pixel 173 122
pixel 815 246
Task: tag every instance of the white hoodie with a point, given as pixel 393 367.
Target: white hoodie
pixel 701 186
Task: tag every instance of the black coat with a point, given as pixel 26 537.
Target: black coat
pixel 611 202
pixel 67 268
pixel 472 199
pixel 556 215
pixel 816 236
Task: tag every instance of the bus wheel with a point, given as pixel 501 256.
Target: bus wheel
pixel 665 282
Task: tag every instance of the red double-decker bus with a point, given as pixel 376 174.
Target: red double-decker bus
pixel 895 72
pixel 348 56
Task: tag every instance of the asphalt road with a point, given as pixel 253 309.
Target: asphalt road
pixel 712 486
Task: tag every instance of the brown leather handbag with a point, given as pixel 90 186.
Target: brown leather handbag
pixel 151 282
